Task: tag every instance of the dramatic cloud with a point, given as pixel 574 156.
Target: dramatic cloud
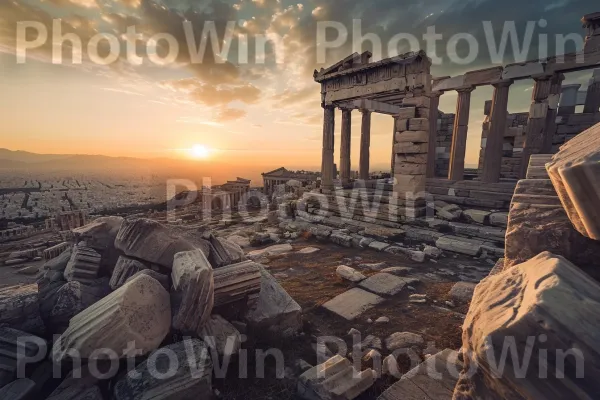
pixel 230 114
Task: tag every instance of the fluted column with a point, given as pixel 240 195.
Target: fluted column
pixel 592 99
pixel 345 146
pixel 459 135
pixel 433 126
pixel 536 124
pixel 492 159
pixel 553 100
pixel 365 144
pixel 328 144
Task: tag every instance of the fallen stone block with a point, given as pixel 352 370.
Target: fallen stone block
pixel 161 278
pixel 335 379
pixel 100 235
pixel 534 308
pixel 499 219
pixel 223 252
pixel 275 311
pixel 462 292
pixel 84 265
pixel 274 250
pixel 20 309
pixel 124 269
pixel 349 274
pixel 138 311
pixel 194 289
pixel 352 303
pixel 150 241
pixel 191 380
pixel 379 246
pixel 403 340
pixel 21 389
pixel 434 378
pixel 17 347
pixel 460 245
pixel 384 284
pixel 448 212
pixel 308 250
pixel 241 241
pixel 477 216
pixel 237 282
pixel 80 384
pixel 575 173
pixel 341 239
pixel 220 335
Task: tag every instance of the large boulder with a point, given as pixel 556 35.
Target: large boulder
pixel 139 312
pixel 532 332
pixel 20 309
pixel 276 311
pixel 150 241
pixel 193 291
pixel 191 380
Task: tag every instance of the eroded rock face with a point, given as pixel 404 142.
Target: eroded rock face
pixel 194 289
pixel 150 241
pixel 20 309
pixel 192 379
pixel 139 311
pixel 124 269
pixel 575 174
pixel 536 309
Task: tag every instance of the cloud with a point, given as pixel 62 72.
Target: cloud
pixel 230 114
pixel 216 95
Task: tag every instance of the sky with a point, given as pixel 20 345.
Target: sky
pixel 256 107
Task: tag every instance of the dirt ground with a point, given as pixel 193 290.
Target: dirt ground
pixel 311 280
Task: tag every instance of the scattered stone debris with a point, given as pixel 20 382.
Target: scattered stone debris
pixel 382 320
pixel 403 340
pixel 462 292
pixel 349 274
pixel 353 303
pixel 384 284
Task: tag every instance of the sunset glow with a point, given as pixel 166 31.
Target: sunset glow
pixel 199 151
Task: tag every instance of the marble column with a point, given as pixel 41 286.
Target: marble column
pixel 365 144
pixel 433 126
pixel 345 146
pixel 459 135
pixel 536 124
pixel 568 99
pixel 492 159
pixel 328 143
pixel 592 99
pixel 553 100
pixel 393 161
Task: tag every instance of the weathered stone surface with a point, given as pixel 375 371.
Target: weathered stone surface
pixel 80 384
pixel 221 336
pixel 194 289
pixel 58 263
pixel 379 246
pixel 21 389
pixel 138 311
pixel 100 235
pixel 241 241
pixel 275 311
pixel 533 229
pixel 72 298
pixel 237 282
pixel 124 269
pixel 192 379
pixel 537 307
pixel 84 265
pixel 460 245
pixel 353 303
pixel 383 284
pixel 499 219
pixel 274 250
pixel 161 278
pixel 335 379
pixel 308 250
pixel 433 379
pixel 13 344
pixel 223 252
pixel 575 174
pixel 432 252
pixel 399 271
pixel 150 241
pixel 462 292
pixel 349 274
pixel 20 309
pixel 477 216
pixel 341 239
pixel 403 340
pixel 449 212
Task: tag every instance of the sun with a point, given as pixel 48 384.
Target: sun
pixel 199 151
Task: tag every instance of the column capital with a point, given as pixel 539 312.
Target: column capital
pixel 345 109
pixel 465 89
pixel 436 94
pixel 365 111
pixel 502 83
pixel 542 77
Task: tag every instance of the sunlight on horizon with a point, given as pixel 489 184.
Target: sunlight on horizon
pixel 199 152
